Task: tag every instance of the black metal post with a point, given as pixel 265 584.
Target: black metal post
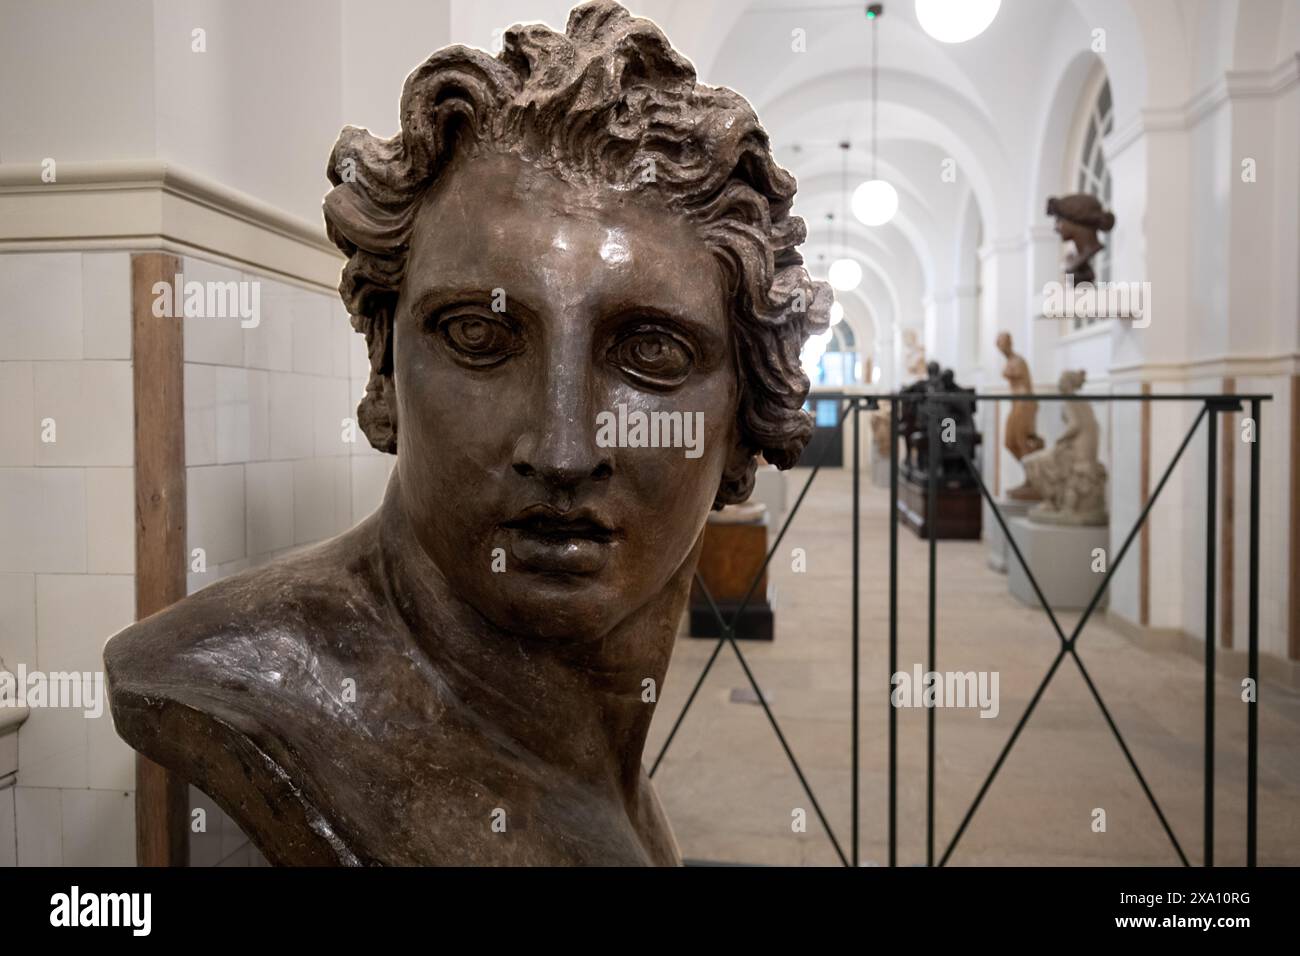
pixel 1252 713
pixel 895 407
pixel 1211 520
pixel 857 471
pixel 932 529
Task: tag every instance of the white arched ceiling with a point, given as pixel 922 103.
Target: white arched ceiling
pixel 879 295
pixel 913 227
pixel 964 106
pixel 972 233
pixel 861 317
pixel 899 272
pixel 922 112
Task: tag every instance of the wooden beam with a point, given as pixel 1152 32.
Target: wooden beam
pixel 997 447
pixel 1293 561
pixel 158 374
pixel 1228 439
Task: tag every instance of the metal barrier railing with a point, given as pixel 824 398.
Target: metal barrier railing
pixel 1212 406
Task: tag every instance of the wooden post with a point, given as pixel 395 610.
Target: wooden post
pixel 1229 438
pixel 158 374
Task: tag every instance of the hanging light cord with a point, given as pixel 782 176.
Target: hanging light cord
pixel 845 146
pixel 875 108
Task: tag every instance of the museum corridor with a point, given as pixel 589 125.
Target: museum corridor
pixel 379 377
pixel 729 790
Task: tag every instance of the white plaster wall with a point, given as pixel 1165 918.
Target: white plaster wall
pixel 258 109
pixel 78 80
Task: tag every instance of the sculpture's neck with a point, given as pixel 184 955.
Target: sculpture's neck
pixel 579 709
pixel 1084 250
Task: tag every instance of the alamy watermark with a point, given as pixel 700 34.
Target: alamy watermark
pixel 946 689
pixel 133 911
pixel 1098 300
pixel 75 690
pixel 638 429
pixel 209 300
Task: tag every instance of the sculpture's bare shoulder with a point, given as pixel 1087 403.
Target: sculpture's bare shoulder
pixel 270 647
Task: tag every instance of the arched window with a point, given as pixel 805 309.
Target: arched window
pixel 840 363
pixel 1090 173
pixel 841 338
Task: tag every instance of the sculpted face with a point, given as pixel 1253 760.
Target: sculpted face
pixel 1069 231
pixel 601 300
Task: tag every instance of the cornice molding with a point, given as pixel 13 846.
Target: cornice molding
pixel 150 204
pixel 1212 366
pixel 1231 85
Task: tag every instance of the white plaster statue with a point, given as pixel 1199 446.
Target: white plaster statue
pixel 913 354
pixel 1068 477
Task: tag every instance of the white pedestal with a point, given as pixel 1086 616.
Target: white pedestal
pixel 1000 555
pixel 880 472
pixel 770 489
pixel 1061 559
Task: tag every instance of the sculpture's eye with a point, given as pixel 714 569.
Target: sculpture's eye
pixel 653 356
pixel 478 339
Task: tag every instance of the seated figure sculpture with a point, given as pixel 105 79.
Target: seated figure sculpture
pixel 468 676
pixel 1068 478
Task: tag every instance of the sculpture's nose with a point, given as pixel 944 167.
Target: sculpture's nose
pixel 560 446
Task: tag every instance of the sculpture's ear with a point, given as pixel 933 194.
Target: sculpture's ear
pixel 737 477
pixel 377 413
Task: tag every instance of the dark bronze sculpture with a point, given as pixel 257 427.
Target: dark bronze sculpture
pixel 944 412
pixel 950 410
pixel 468 675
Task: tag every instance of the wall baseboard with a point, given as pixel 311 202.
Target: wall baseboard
pixel 1229 662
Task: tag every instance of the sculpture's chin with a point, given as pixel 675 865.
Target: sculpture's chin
pixel 558 607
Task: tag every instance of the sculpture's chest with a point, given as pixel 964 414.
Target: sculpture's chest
pixel 422 796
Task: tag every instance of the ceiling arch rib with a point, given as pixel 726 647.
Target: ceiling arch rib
pixel 918 110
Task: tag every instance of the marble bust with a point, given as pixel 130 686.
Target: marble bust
pixel 1069 478
pixel 468 675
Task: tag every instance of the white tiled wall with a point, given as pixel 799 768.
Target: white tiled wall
pixel 268 470
pixel 267 466
pixel 67 543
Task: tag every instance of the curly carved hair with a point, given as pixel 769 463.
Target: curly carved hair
pixel 605 101
pixel 1083 209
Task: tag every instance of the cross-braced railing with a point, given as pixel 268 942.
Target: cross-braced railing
pixel 1212 406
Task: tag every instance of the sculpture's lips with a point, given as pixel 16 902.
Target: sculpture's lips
pixel 545 539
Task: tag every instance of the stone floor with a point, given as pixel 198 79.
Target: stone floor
pixel 730 792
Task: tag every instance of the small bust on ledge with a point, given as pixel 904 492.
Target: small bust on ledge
pixel 571 228
pixel 1079 217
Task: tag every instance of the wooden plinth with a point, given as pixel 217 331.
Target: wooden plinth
pixel 958 517
pixel 732 557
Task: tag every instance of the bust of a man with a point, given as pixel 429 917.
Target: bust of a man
pixel 573 229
